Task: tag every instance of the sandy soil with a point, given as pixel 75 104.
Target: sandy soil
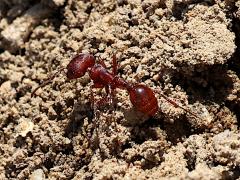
pixel 189 50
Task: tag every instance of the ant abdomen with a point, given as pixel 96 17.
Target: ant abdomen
pixel 79 65
pixel 143 99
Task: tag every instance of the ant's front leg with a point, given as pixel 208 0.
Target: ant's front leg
pixel 100 126
pixel 106 100
pixel 111 101
pixel 97 104
pixel 96 116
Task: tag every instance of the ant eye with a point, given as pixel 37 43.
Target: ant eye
pixel 70 74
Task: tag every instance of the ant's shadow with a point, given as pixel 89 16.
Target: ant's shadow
pixel 214 84
pixel 155 128
pixel 79 113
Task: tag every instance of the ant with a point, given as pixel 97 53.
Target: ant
pixel 142 97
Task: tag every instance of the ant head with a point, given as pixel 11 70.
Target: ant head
pixel 79 65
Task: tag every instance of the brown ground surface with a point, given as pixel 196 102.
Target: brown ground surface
pixel 187 49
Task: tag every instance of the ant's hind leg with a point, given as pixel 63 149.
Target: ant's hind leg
pixel 176 105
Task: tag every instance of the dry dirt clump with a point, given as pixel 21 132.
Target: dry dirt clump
pixel 187 50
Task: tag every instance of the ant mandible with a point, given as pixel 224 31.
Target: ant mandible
pixel 142 97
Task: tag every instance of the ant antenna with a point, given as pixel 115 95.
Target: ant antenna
pixel 45 82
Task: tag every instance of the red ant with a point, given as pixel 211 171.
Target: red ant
pixel 142 97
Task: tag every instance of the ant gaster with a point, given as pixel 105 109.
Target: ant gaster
pixel 142 97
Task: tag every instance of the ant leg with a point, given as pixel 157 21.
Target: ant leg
pixel 48 80
pixel 106 100
pixel 96 104
pixel 114 64
pixel 111 94
pixel 98 125
pixel 96 114
pixel 102 63
pixel 179 106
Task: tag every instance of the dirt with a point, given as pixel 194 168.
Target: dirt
pixel 187 50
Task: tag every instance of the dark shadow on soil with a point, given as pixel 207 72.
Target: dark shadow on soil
pixel 212 84
pixel 234 65
pixel 80 111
